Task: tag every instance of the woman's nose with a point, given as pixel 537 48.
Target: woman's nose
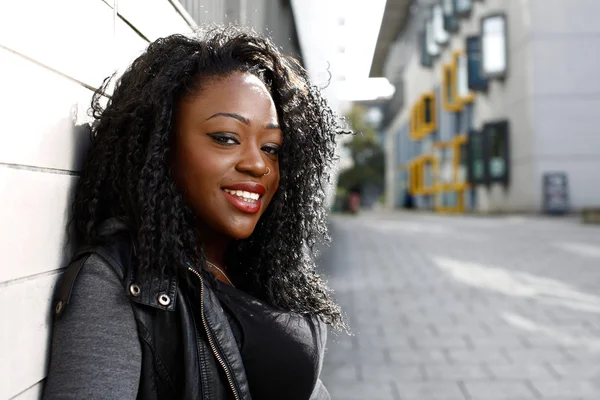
pixel 252 160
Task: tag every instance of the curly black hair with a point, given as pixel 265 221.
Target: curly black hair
pixel 127 173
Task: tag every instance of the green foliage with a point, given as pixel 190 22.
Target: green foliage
pixel 367 154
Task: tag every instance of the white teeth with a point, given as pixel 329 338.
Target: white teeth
pixel 247 196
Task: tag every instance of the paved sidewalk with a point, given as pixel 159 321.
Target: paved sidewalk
pixel 455 308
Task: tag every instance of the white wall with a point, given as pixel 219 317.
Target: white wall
pixel 566 95
pixel 53 53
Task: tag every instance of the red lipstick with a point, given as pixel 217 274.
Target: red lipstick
pixel 245 204
pixel 251 187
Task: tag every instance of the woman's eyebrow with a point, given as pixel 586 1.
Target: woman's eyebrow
pixel 230 115
pixel 270 125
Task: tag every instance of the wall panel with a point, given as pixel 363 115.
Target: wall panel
pixel 144 14
pixel 74 37
pixel 26 304
pixel 32 393
pixel 34 212
pixel 38 131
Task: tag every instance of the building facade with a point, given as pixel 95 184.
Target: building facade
pixel 272 17
pixel 461 140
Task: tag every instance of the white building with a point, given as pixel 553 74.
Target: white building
pixel 549 99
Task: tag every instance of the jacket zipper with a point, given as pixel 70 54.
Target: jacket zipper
pixel 210 338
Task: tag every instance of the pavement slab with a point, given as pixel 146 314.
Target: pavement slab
pixel 463 307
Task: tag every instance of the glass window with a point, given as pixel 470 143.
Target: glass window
pixel 463 7
pixel 494 47
pixel 462 83
pixel 432 47
pixel 498 149
pixel 428 110
pixel 450 19
pixel 441 36
pixel 474 79
pixel 448 85
pixel 477 167
pixel 426 59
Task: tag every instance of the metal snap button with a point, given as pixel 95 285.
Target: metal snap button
pixel 59 306
pixel 164 300
pixel 134 290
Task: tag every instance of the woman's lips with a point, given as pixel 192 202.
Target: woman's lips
pixel 245 196
pixel 242 204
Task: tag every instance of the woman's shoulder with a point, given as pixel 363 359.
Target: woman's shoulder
pixel 90 279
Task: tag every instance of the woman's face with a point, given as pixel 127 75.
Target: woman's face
pixel 225 154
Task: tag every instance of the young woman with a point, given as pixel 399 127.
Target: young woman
pixel 198 209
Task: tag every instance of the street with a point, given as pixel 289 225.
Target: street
pixel 464 307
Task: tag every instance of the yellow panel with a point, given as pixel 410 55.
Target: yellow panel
pixel 449 100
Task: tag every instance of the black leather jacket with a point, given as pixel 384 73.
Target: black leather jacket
pixel 188 348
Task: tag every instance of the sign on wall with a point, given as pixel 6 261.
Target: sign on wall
pixel 556 192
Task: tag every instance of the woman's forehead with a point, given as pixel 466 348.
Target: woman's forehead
pixel 239 93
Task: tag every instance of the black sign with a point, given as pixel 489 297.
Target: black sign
pixel 556 192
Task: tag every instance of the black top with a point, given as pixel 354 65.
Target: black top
pixel 279 350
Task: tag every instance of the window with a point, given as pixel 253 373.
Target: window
pixel 476 163
pixel 432 47
pixel 488 154
pixel 463 7
pixel 426 59
pixel 450 19
pixel 475 81
pixel 441 36
pixel 450 102
pixel 428 114
pixel 464 95
pixel 423 117
pixel 494 46
pixel 497 148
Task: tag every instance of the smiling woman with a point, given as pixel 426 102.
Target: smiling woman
pixel 201 193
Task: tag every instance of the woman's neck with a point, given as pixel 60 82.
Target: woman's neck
pixel 214 247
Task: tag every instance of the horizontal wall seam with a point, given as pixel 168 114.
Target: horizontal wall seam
pixel 34 168
pixel 563 35
pixel 40 64
pixel 25 390
pixel 133 28
pixel 23 279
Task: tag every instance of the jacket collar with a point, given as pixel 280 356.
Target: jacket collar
pixel 154 291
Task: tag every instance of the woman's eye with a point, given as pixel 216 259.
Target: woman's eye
pixel 224 139
pixel 272 150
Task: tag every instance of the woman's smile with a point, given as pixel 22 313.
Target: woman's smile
pixel 246 197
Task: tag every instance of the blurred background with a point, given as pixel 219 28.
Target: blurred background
pixel 464 212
